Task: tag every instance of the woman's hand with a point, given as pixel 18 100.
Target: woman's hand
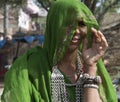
pixel 97 50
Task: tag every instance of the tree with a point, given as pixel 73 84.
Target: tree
pixel 104 7
pixel 6 21
pixel 98 7
pixel 101 7
pixel 46 3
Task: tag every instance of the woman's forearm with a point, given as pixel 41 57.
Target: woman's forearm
pixel 91 93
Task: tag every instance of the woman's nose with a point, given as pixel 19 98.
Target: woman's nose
pixel 77 31
pixel 81 30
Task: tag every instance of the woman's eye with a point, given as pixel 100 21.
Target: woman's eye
pixel 81 24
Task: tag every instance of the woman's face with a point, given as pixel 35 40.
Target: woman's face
pixel 78 36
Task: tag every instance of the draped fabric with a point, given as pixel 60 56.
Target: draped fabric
pixel 28 80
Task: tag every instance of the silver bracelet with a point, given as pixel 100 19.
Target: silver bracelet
pixel 91 86
pixel 86 78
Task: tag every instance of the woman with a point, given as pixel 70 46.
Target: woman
pixel 69 67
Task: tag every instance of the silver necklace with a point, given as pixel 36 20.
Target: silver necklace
pixel 59 92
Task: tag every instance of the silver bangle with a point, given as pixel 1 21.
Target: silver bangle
pixel 95 79
pixel 90 86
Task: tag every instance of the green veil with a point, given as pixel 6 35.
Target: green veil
pixel 29 78
pixel 61 23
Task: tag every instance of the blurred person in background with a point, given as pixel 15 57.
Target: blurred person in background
pixel 4 52
pixel 8 52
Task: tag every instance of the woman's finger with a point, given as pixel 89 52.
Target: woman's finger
pixel 103 39
pixel 96 36
pixel 94 31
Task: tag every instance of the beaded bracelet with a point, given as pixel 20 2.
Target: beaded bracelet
pixel 87 79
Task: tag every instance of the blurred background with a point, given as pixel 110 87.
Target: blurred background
pixel 22 26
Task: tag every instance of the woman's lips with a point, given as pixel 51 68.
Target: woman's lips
pixel 75 39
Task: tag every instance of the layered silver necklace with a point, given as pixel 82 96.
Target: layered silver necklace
pixel 59 91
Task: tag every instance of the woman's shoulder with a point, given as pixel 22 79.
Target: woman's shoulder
pixel 32 51
pixel 35 49
pixel 32 55
pixel 33 59
pixel 36 53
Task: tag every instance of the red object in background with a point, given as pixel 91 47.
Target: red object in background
pixel 3 71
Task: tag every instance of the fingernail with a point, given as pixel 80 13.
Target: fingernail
pixel 99 31
pixel 93 28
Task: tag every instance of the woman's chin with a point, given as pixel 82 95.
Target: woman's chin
pixel 73 48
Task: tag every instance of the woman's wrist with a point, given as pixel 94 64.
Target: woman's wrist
pixel 91 69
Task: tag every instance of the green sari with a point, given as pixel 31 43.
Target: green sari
pixel 29 78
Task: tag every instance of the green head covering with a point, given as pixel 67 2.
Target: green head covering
pixel 62 21
pixel 28 80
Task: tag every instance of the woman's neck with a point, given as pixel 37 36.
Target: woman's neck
pixel 68 64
